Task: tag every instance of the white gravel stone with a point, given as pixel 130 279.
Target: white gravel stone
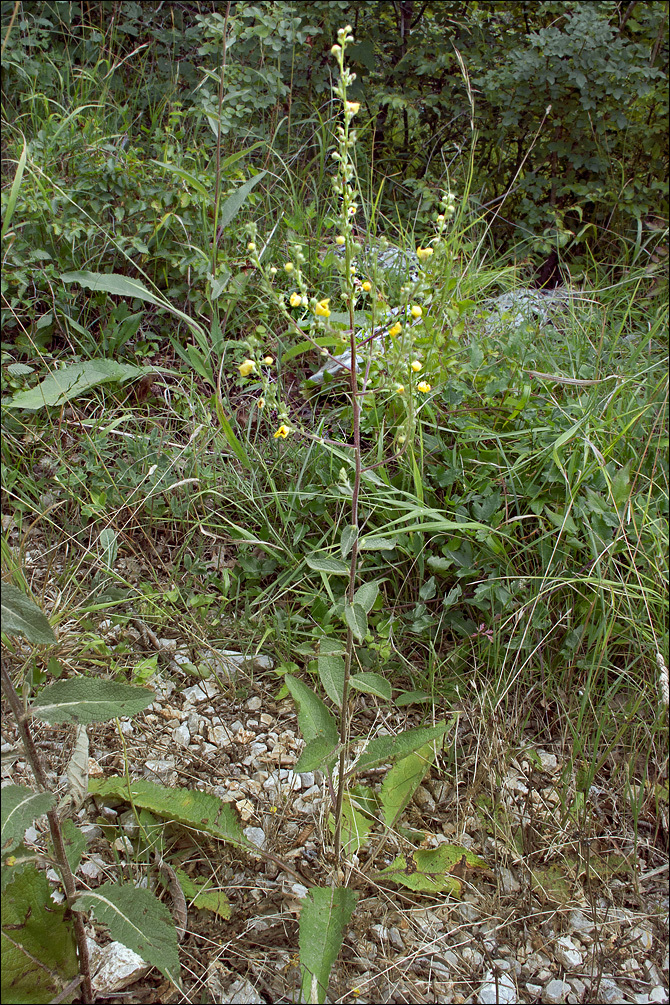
pixel 555 992
pixel 307 779
pixel 610 993
pixel 567 954
pixel 198 692
pixel 472 958
pixel 256 835
pixel 549 761
pixel 508 881
pixel 254 704
pixel 658 995
pixel 160 770
pixel 643 936
pixel 181 735
pixel 578 922
pixel 502 992
pixel 241 992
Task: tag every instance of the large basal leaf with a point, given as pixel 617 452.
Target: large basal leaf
pixel 324 917
pixel 433 870
pixel 20 808
pixel 84 700
pixel 383 749
pixel 39 956
pixel 234 202
pixel 125 286
pixel 136 918
pixel 22 616
pixel 314 719
pixel 63 385
pixel 199 810
pixel 403 780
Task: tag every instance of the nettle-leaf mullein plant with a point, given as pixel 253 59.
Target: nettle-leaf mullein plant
pixel 329 743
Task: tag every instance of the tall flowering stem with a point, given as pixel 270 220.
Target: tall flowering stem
pixel 344 190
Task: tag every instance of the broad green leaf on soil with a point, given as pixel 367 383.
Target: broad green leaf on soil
pixel 136 918
pixel 63 385
pixel 125 286
pixel 317 755
pixel 199 810
pixel 376 543
pixel 355 828
pixel 433 870
pixel 203 896
pixel 332 565
pixel 411 697
pixel 366 594
pixel 314 719
pixel 233 204
pixel 331 675
pixel 356 619
pixel 324 917
pixel 389 748
pixel 21 615
pixel 403 780
pixel 372 683
pixel 83 699
pixel 39 956
pixel 302 347
pixel 20 807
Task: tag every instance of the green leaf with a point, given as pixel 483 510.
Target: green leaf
pixel 75 843
pixel 332 565
pixel 317 754
pixel 372 683
pixel 85 700
pixel 355 828
pixel 234 202
pixel 233 441
pixel 300 348
pixel 63 385
pixel 324 917
pixel 203 896
pixel 125 286
pixel 331 674
pixel 383 749
pixel 349 535
pixel 39 955
pixel 403 780
pixel 20 807
pixel 137 919
pixel 14 191
pixel 376 543
pixel 21 615
pixel 190 807
pixel 428 870
pixel 356 619
pixel 314 719
pixel 410 697
pixel 366 594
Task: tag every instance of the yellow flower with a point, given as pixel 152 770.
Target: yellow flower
pixel 399 388
pixel 268 360
pixel 295 300
pixel 416 366
pixel 424 387
pixel 395 330
pixel 261 403
pixel 353 107
pixel 288 267
pixel 321 310
pixel 416 311
pixel 283 431
pixel 366 286
pixel 251 246
pixel 247 367
pixel 340 239
pixel 423 253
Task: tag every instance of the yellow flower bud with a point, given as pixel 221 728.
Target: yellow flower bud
pixel 295 300
pixel 353 107
pixel 251 246
pixel 366 286
pixel 247 367
pixel 416 311
pixel 399 388
pixel 416 365
pixel 288 267
pixel 424 387
pixel 272 270
pixel 336 49
pixel 395 330
pixel 340 239
pixel 268 360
